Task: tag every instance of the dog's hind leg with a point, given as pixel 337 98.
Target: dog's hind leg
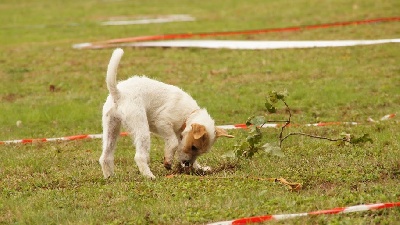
pixel 137 125
pixel 111 129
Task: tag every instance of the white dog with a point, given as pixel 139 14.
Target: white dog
pixel 144 105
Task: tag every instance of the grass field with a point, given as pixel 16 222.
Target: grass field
pixel 62 183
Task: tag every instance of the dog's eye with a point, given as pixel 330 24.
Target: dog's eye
pixel 194 148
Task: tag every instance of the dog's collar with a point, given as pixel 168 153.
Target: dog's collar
pixel 184 123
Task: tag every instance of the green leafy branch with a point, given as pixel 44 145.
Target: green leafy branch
pixel 252 144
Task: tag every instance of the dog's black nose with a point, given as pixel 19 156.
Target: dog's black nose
pixel 186 163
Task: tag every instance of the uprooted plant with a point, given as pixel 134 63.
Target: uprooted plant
pixel 252 144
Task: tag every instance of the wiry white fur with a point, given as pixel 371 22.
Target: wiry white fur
pixel 144 105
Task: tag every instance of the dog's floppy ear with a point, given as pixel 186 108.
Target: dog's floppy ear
pixel 222 133
pixel 198 131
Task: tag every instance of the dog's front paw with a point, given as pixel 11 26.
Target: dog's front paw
pixel 150 176
pixel 197 166
pixel 167 164
pixel 146 172
pixel 107 174
pixel 107 167
pixel 205 168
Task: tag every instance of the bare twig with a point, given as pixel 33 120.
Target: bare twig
pixel 276 121
pixel 287 122
pixel 313 136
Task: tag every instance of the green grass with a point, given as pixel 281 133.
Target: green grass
pixel 61 183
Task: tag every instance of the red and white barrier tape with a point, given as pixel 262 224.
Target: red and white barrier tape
pixel 257 45
pixel 67 138
pixel 113 42
pixel 277 125
pixel 321 124
pixel 227 127
pixel 259 219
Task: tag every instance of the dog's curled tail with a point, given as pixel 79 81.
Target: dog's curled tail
pixel 111 78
